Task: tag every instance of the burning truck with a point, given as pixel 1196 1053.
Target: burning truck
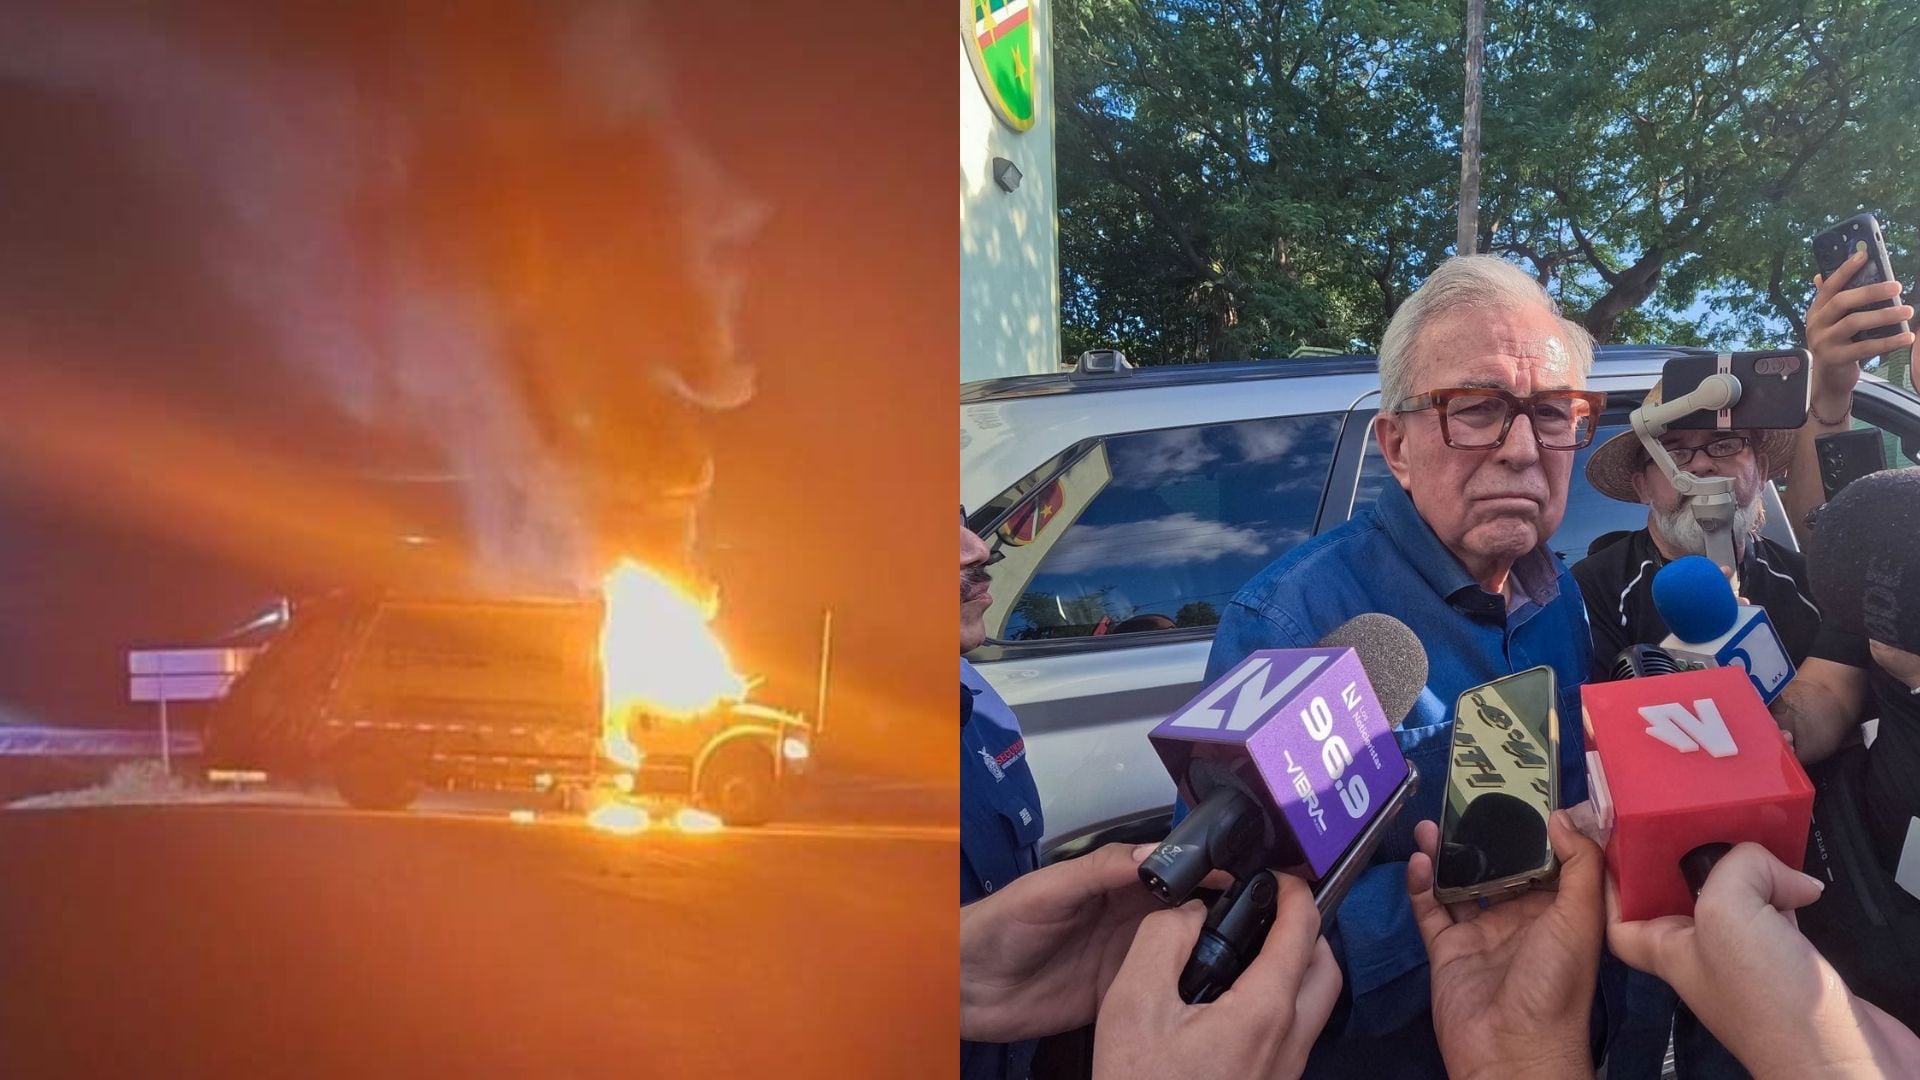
pixel 389 695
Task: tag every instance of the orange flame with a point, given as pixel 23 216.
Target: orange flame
pixel 657 652
pixel 624 819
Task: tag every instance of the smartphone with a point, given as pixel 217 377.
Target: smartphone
pixel 1333 885
pixel 1846 456
pixel 1502 783
pixel 1860 232
pixel 1773 387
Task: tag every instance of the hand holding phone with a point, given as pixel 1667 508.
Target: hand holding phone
pixel 1857 243
pixel 1857 277
pixel 1513 982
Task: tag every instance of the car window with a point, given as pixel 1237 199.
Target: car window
pixel 1590 515
pixel 1156 530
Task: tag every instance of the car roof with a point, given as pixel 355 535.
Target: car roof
pixel 1607 360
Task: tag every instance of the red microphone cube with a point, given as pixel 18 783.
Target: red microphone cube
pixel 1686 760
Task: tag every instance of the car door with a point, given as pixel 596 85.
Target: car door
pixel 1111 570
pixel 1893 411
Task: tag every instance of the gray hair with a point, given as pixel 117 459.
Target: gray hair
pixel 1466 281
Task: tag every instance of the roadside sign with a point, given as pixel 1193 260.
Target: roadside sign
pixel 166 675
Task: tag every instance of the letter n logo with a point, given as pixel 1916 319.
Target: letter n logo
pixel 1253 697
pixel 1702 729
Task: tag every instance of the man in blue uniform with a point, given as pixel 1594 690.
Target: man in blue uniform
pixel 1000 826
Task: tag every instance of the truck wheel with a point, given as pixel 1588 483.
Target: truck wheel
pixel 739 786
pixel 376 776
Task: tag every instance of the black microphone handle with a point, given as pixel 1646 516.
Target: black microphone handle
pixel 1236 927
pixel 1224 832
pixel 1695 865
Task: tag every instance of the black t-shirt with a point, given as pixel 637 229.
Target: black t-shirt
pixel 1893 764
pixel 1617 582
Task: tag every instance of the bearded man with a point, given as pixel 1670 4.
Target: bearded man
pixel 1617 578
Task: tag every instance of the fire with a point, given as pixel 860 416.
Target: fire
pixel 620 818
pixel 657 650
pixel 618 748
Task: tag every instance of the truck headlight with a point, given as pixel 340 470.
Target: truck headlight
pixel 794 749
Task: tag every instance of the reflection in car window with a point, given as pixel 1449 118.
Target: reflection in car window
pixel 1157 530
pixel 1590 515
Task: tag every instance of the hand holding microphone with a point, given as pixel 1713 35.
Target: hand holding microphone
pixel 1288 761
pixel 1037 956
pixel 1741 964
pixel 1682 767
pixel 1262 1026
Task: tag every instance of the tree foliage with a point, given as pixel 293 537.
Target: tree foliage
pixel 1240 177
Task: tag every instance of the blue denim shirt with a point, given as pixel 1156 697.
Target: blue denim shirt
pixel 1388 560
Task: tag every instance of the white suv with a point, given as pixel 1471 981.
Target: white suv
pixel 1127 506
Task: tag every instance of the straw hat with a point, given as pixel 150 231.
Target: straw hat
pixel 1610 469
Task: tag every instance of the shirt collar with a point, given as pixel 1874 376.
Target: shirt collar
pixel 1538 571
pixel 967 693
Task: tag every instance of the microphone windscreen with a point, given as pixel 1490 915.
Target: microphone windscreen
pixel 1693 596
pixel 1395 660
pixel 1643 662
pixel 1863 561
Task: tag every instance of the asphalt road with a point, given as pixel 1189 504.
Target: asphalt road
pixel 252 941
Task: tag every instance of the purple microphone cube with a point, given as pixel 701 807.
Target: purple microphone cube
pixel 1301 727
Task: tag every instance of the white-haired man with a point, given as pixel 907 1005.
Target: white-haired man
pixel 1483 403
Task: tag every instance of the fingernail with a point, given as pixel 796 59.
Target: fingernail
pixel 1140 852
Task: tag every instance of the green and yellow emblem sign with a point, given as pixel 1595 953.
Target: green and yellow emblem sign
pixel 999 35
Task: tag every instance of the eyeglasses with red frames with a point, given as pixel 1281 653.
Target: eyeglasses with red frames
pixel 1479 418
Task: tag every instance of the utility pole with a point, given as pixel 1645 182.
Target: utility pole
pixel 1466 241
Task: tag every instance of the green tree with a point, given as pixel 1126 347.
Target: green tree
pixel 1240 178
pixel 1688 149
pixel 1197 613
pixel 1044 614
